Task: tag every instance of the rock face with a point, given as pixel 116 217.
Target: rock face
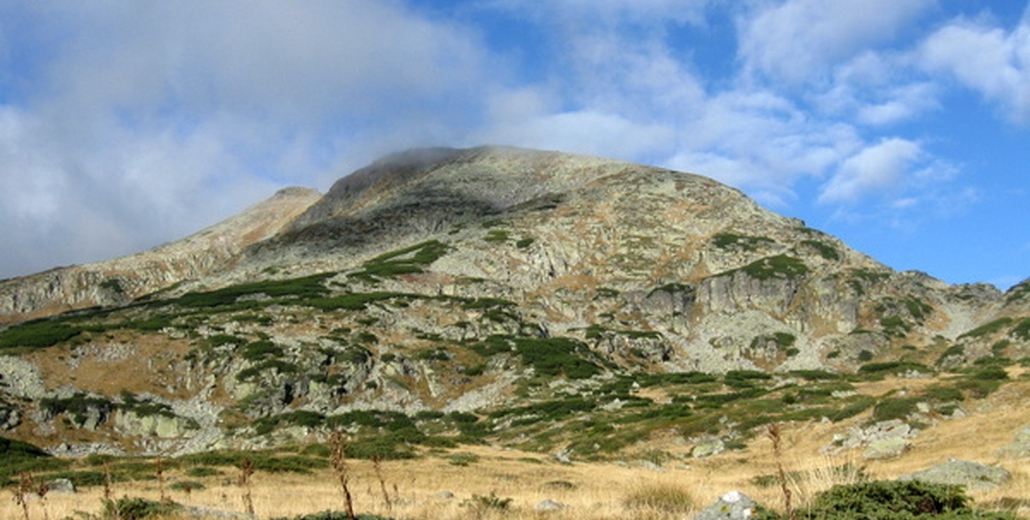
pixel 457 281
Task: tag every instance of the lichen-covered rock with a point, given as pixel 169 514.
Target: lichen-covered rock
pixel 731 506
pixel 973 475
pixel 886 448
pixel 707 448
pixel 1020 447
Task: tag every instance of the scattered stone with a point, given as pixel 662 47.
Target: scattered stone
pixel 887 448
pixel 563 456
pixel 1018 449
pixel 646 464
pixel 60 486
pixel 857 437
pixel 550 505
pixel 707 448
pixel 446 495
pixel 731 506
pixel 973 475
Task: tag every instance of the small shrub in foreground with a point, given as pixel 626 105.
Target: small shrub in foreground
pixel 891 500
pixel 136 508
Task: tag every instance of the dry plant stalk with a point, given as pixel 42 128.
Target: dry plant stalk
pixel 108 488
pixel 159 468
pixel 25 486
pixel 377 464
pixel 773 431
pixel 42 490
pixel 337 457
pixel 246 470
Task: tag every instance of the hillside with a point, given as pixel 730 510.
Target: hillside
pixel 555 303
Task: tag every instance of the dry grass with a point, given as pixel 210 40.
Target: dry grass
pixel 414 489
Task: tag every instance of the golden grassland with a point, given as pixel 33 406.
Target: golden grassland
pixel 416 488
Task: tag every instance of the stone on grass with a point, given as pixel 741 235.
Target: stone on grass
pixel 550 505
pixel 1018 449
pixel 973 475
pixel 886 448
pixel 707 448
pixel 61 486
pixel 731 506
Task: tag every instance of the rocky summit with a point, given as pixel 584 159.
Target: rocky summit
pixel 551 301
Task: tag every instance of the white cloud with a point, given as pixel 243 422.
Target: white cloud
pixel 585 132
pixel 987 59
pixel 587 13
pixel 146 122
pixel 873 169
pixel 799 40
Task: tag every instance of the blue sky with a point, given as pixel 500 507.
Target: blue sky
pixel 900 126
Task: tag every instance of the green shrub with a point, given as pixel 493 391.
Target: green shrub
pixel 38 334
pixel 410 260
pixel 942 394
pixel 492 502
pixel 1021 330
pixel 523 243
pixel 742 242
pixel 825 250
pixel 202 471
pixel 306 287
pixel 136 508
pixel 260 350
pixel 988 328
pixel 556 357
pixel 895 408
pixel 497 235
pixel 78 406
pixel 304 418
pixel 952 351
pixel 891 500
pixel 814 375
pixel 779 266
pixel 462 459
pixel 858 405
pixel 289 464
pixel 893 367
pixel 144 408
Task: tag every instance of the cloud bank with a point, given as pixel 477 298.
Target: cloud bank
pixel 126 125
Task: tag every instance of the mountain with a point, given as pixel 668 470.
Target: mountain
pixel 450 295
pixel 121 280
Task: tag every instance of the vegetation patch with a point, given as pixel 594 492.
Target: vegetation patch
pixel 1021 330
pixel 739 242
pixel 556 357
pixel 306 287
pixel 38 334
pixel 497 235
pixel 410 260
pixel 893 500
pixel 357 301
pixel 824 250
pixel 779 266
pixel 1018 292
pixel 989 328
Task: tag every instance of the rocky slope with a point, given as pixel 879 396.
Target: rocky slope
pixel 121 280
pixel 483 291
